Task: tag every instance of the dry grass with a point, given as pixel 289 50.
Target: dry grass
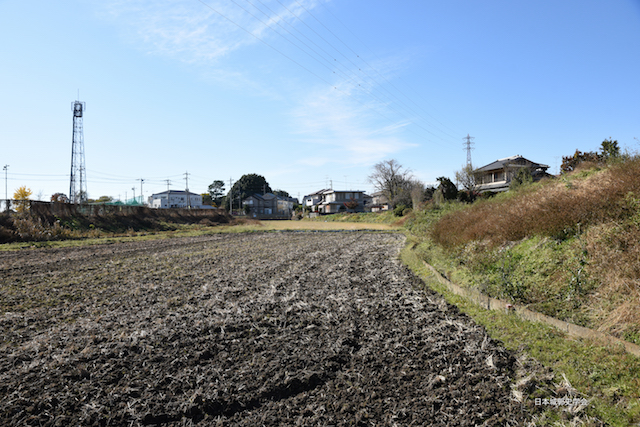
pixel 615 262
pixel 41 225
pixel 553 208
pixel 569 247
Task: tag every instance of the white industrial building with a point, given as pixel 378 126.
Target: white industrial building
pixel 175 199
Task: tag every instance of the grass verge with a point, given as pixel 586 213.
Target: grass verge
pixel 607 376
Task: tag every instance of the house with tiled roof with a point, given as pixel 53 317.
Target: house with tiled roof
pixel 497 176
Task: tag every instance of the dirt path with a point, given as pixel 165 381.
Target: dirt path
pixel 271 329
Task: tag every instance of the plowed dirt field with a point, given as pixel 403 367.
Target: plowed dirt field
pixel 273 329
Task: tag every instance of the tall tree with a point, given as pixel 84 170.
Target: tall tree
pixel 447 188
pixel 249 184
pixel 216 191
pixel 21 196
pixel 466 177
pixel 281 193
pixel 610 149
pixel 393 180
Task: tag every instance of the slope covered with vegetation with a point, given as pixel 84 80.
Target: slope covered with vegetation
pixel 567 247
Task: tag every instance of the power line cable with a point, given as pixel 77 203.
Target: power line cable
pixel 369 65
pixel 300 65
pixel 363 60
pixel 406 108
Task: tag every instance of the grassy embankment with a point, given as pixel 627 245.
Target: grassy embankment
pixel 567 248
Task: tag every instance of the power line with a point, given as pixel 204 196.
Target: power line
pixel 6 194
pixel 358 56
pixel 390 83
pixel 306 68
pixel 338 50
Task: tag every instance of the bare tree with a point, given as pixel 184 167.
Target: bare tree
pixel 394 181
pixel 467 178
pixel 417 193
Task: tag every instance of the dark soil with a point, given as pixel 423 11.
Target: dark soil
pixel 273 329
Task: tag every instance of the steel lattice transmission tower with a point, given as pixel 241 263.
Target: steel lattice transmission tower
pixel 78 186
pixel 468 144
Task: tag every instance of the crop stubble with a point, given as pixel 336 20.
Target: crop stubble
pixel 244 330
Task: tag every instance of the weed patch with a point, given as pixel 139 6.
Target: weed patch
pixel 606 376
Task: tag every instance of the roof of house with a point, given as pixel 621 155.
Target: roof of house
pixel 331 190
pixel 175 192
pixel 344 191
pixel 319 192
pixel 501 163
pixel 271 196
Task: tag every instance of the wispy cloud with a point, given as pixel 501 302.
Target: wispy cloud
pixel 355 131
pixel 349 121
pixel 195 32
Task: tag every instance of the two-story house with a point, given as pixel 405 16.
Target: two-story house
pixel 313 199
pixel 379 202
pixel 334 201
pixel 497 176
pixel 269 205
pixel 175 199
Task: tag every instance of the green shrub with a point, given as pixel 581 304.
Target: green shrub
pixel 399 210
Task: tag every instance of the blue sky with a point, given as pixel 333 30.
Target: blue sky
pixel 305 92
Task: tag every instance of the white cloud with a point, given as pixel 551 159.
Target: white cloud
pixel 348 123
pixel 194 31
pixel 351 132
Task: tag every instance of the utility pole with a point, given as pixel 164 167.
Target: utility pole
pixel 467 146
pixel 230 196
pixel 134 193
pixel 168 194
pixel 141 193
pixel 6 193
pixel 186 177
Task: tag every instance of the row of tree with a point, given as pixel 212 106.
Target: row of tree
pixel 609 150
pixel 401 188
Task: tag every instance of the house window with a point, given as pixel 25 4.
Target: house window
pixel 498 176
